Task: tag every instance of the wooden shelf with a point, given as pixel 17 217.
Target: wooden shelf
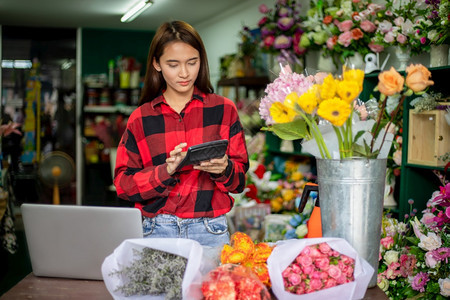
pixel 250 83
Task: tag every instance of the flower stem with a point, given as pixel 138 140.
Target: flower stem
pixel 316 134
pixel 400 104
pixel 340 142
pixel 380 114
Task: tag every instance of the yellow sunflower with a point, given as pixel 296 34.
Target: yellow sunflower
pixel 328 88
pixel 334 110
pixel 308 101
pixel 290 100
pixel 348 90
pixel 355 75
pixel 280 113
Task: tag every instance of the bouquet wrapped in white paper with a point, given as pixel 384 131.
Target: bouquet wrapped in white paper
pixel 318 268
pixel 127 276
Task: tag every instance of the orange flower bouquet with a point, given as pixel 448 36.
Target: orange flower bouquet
pixel 325 110
pixel 243 273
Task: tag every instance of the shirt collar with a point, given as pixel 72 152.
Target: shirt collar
pixel 197 94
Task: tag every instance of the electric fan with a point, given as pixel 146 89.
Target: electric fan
pixel 56 170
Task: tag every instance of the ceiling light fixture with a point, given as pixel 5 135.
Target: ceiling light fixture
pixel 136 10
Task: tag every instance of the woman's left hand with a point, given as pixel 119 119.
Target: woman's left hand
pixel 215 165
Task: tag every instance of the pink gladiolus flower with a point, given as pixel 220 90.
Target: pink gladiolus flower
pixel 263 9
pixel 345 38
pixel 376 47
pixel 368 26
pixel 399 21
pixel 430 260
pixel 387 242
pixel 345 25
pixel 402 39
pixel 331 42
pixel 389 37
pixel 423 40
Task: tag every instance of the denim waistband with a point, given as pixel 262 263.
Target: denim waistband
pixel 168 219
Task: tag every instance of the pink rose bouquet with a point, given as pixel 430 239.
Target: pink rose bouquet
pixel 318 268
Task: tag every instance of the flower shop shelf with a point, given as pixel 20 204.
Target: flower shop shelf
pixel 249 83
pixel 418 179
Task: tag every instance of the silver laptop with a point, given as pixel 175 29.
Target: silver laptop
pixel 72 241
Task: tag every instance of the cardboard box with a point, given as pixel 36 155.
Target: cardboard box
pixel 428 137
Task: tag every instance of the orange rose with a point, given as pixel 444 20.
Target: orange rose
pixel 390 82
pixel 357 34
pixel 418 78
pixel 327 20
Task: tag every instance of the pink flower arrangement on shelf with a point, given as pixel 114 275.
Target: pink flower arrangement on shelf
pixel 353 30
pixel 341 28
pixel 397 24
pixel 281 30
pixel 414 256
pixel 318 267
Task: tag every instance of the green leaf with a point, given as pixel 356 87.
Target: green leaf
pixel 294 130
pixel 364 151
pixel 358 135
pixel 413 240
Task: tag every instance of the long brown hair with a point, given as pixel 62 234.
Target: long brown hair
pixel 168 32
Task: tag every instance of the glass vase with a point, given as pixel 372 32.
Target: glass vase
pixel 439 55
pixel 403 55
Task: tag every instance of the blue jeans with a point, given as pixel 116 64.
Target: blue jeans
pixel 212 232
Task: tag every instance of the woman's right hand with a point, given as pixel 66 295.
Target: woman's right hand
pixel 175 158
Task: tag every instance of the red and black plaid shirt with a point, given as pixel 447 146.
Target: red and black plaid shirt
pixel 153 130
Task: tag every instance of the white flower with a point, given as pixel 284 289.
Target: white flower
pixel 430 261
pixel 430 242
pixel 390 257
pixel 301 230
pixel 444 284
pixel 383 284
pixel 407 27
pixel 433 35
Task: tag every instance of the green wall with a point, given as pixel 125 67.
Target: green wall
pixel 101 45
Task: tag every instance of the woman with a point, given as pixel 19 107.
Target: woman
pixel 178 109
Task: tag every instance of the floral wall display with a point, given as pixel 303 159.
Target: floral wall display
pixel 281 31
pixel 414 253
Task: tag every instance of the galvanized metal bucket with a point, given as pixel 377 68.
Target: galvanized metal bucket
pixel 351 195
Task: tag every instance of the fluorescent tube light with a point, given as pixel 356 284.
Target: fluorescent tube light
pixel 136 10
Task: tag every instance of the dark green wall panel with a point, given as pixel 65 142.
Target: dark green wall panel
pixel 101 45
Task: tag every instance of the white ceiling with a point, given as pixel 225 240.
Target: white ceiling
pixel 107 13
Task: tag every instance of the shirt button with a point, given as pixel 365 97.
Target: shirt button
pixel 179 120
pixel 178 194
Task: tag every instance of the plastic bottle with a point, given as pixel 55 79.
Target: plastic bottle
pixel 111 73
